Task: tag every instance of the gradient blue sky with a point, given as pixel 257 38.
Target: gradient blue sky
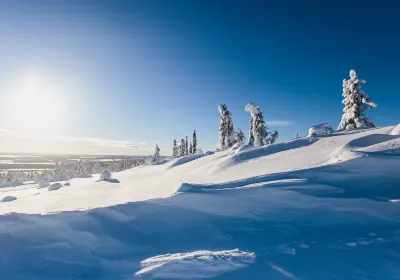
pixel 135 72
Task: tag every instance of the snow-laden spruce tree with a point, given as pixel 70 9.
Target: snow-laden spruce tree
pixel 226 131
pixel 190 148
pixel 240 138
pixel 186 146
pixel 296 135
pixel 194 142
pixel 156 156
pixel 182 148
pixel 174 149
pixel 356 102
pixel 258 131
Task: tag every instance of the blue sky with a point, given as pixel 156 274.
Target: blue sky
pixel 128 73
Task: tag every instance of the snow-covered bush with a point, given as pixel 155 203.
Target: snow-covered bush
pixel 105 175
pixel 240 138
pixel 320 129
pixel 356 102
pixel 43 182
pixel 226 131
pixel 55 187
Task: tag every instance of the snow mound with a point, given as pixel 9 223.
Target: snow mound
pixel 105 175
pixel 246 153
pixel 55 187
pixel 373 143
pixel 8 198
pixel 43 182
pixel 320 129
pixel 196 265
pixel 183 160
pixel 395 130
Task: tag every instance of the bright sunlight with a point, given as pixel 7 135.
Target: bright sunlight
pixel 35 104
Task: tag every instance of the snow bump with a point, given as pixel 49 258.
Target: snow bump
pixel 197 264
pixel 8 198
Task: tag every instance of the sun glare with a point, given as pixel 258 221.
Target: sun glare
pixel 34 104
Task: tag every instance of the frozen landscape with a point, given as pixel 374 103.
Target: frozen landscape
pixel 319 207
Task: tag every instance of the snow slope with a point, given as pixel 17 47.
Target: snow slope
pixel 311 208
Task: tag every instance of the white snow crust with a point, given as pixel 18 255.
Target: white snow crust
pixel 308 208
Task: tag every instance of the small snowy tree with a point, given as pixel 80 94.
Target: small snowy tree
pixel 240 138
pixel 174 149
pixel 194 142
pixel 356 102
pixel 226 131
pixel 182 149
pixel 186 146
pixel 273 137
pixel 258 130
pixel 296 135
pixel 190 148
pixel 156 157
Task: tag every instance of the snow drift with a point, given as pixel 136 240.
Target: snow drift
pixel 292 209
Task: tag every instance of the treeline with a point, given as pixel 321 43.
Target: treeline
pixel 67 170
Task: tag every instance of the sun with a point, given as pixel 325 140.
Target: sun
pixel 35 104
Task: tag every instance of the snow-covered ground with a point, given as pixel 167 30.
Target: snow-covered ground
pixel 322 207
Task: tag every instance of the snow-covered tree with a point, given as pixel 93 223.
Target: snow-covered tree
pixel 190 148
pixel 174 149
pixel 182 148
pixel 258 131
pixel 356 102
pixel 273 137
pixel 156 156
pixel 226 131
pixel 240 138
pixel 296 135
pixel 194 142
pixel 186 146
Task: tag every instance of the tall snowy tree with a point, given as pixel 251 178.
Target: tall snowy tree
pixel 174 149
pixel 182 150
pixel 194 142
pixel 190 148
pixel 356 102
pixel 258 130
pixel 186 146
pixel 226 131
pixel 156 157
pixel 296 135
pixel 251 136
pixel 240 138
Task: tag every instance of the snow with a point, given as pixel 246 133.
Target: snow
pixel 320 129
pixel 308 208
pixel 396 130
pixel 105 175
pixel 198 264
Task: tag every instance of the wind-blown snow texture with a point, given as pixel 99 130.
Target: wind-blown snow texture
pixel 324 207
